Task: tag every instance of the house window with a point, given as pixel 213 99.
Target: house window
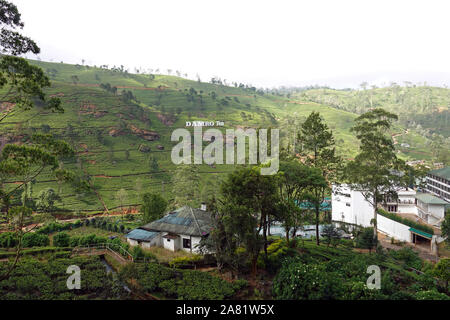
pixel 187 243
pixel 168 240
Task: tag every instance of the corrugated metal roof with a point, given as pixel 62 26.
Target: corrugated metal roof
pixel 176 220
pixel 419 232
pixel 430 199
pixel 141 234
pixel 185 220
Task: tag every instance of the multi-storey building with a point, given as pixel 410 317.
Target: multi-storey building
pixel 438 183
pixel 404 203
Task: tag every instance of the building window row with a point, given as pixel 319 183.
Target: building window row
pixel 439 185
pixel 439 192
pixel 438 179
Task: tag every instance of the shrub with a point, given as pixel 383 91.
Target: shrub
pixel 277 251
pixel 330 234
pixel 408 256
pixel 33 279
pixel 366 239
pixel 297 280
pixel 74 241
pixel 8 240
pixel 33 239
pixel 77 224
pixel 185 261
pixel 60 255
pixel 197 285
pixel 61 239
pixel 137 252
pixel 401 295
pixel 169 287
pixel 55 227
pixel 431 295
pixel 442 271
pixel 178 284
pixel 239 284
pixel 153 207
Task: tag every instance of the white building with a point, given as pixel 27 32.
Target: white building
pixel 404 203
pixel 181 229
pixel 430 208
pixel 350 207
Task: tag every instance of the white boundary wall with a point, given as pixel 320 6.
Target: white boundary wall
pixel 393 228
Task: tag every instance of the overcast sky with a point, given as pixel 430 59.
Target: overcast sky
pixel 265 43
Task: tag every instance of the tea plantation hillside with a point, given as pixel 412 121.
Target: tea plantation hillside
pixel 120 125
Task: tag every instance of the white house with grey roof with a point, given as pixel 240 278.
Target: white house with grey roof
pixel 181 229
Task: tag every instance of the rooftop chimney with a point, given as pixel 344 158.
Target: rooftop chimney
pixel 203 206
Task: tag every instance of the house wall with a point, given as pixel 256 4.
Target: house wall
pixel 171 244
pixel 155 242
pixel 194 242
pixel 145 244
pixel 132 242
pixel 407 208
pixel 437 210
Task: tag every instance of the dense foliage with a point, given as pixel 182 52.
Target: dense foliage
pixel 178 284
pixel 46 280
pixel 333 273
pixel 153 207
pixel 31 239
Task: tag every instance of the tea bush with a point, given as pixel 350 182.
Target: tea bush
pixel 179 284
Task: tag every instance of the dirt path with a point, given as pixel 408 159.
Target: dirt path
pixel 162 88
pixel 395 135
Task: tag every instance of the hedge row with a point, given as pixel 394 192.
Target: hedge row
pixel 35 251
pixel 58 227
pixel 63 239
pixel 101 223
pixel 32 239
pixel 106 224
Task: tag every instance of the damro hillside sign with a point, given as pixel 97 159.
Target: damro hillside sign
pixel 235 153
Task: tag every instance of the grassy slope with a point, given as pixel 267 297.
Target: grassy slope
pixel 108 158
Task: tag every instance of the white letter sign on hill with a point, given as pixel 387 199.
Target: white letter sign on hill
pixel 213 153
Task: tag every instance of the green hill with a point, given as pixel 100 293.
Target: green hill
pixel 120 125
pixel 423 110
